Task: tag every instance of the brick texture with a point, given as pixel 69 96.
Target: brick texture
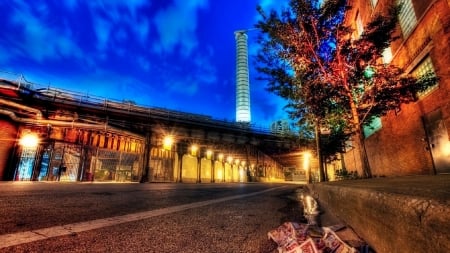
pixel 400 147
pixel 8 132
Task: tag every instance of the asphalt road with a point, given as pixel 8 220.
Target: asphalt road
pixel 95 217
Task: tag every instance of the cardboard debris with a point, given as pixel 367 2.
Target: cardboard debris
pixel 292 237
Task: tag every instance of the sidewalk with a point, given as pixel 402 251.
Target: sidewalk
pixel 401 214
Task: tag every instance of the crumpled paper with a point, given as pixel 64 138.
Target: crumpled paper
pixel 292 237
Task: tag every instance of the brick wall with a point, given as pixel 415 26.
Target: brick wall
pixel 400 147
pixel 8 132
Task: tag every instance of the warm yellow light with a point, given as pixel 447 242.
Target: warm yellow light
pixel 230 159
pixel 241 175
pixel 237 161
pixel 306 160
pixel 194 149
pixel 29 140
pixel 446 150
pixel 209 154
pixel 167 142
pixel 220 157
pixel 243 163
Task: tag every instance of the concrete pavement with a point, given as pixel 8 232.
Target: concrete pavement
pixel 399 214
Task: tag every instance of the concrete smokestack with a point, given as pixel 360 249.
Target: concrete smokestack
pixel 242 78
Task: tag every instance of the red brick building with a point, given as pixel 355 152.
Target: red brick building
pixel 414 139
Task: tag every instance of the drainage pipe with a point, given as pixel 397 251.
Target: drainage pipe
pixel 71 124
pixel 38 113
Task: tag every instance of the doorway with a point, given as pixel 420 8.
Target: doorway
pixel 438 141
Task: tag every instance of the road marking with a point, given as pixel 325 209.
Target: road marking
pixel 8 240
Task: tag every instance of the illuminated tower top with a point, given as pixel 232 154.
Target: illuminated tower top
pixel 242 78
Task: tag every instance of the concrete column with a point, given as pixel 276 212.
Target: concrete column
pixel 147 156
pixel 212 170
pixel 181 150
pixel 199 169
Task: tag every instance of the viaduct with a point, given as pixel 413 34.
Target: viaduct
pixel 49 134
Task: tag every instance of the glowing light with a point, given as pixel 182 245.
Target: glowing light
pixel 29 140
pixel 230 159
pixel 220 157
pixel 241 175
pixel 194 149
pixel 167 142
pixel 306 160
pixel 447 149
pixel 242 78
pixel 209 154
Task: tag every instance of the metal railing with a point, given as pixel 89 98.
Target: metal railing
pixel 18 82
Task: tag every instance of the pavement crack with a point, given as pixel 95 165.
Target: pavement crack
pixel 40 234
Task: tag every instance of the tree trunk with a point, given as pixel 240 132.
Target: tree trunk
pixel 367 173
pixel 319 152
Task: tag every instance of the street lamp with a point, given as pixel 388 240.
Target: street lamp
pixel 167 142
pixel 29 140
pixel 209 154
pixel 194 149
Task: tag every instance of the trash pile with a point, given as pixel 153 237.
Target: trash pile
pixel 293 237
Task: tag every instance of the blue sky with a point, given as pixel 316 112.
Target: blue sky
pixel 175 54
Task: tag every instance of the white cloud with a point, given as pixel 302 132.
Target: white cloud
pixel 102 30
pixel 206 72
pixel 70 4
pixel 187 87
pixel 116 13
pixel 177 25
pixel 141 29
pixel 42 41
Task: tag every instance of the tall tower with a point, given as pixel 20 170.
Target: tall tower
pixel 242 78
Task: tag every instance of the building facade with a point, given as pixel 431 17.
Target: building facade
pixel 414 139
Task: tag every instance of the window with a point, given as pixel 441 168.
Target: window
pixel 387 55
pixel 374 126
pixel 424 67
pixel 407 17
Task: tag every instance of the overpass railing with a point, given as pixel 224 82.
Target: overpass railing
pixel 18 82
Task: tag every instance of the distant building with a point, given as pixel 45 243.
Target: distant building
pixel 280 127
pixel 414 139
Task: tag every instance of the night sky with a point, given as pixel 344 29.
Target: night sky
pixel 175 54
